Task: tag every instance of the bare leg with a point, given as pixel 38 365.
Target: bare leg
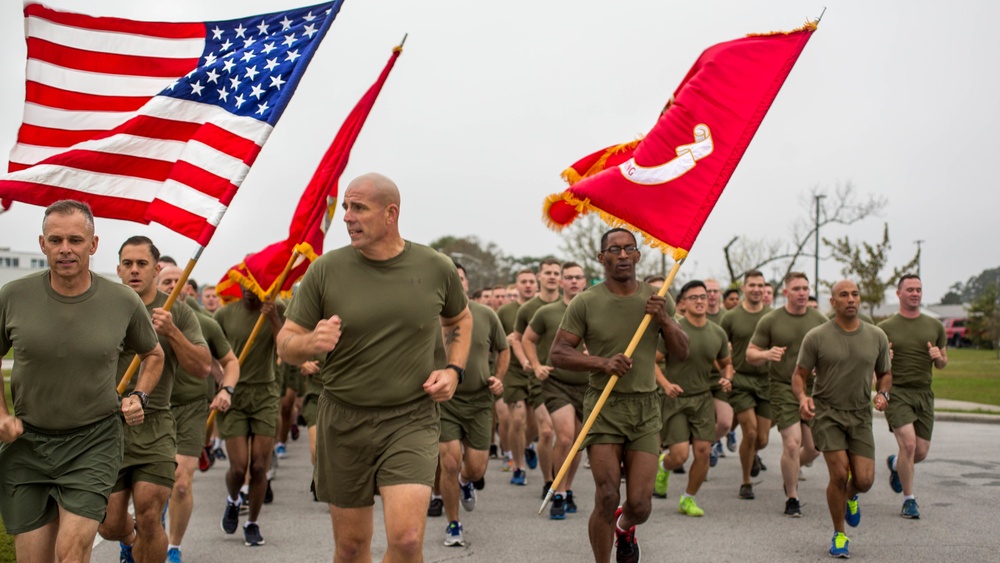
pixel 352 533
pixel 791 442
pixel 450 465
pixel 261 449
pixel 545 442
pixel 405 518
pixel 151 540
pixel 699 467
pixel 748 445
pixel 605 466
pixel 181 498
pixel 723 418
pixel 516 431
pixel 912 450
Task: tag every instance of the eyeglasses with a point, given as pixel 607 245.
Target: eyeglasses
pixel 702 297
pixel 571 278
pixel 630 249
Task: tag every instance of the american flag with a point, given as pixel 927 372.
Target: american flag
pixel 152 121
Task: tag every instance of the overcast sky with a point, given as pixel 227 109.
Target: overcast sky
pixel 490 101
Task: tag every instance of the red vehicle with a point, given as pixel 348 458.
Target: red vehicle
pixel 957 333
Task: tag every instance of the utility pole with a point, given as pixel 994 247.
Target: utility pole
pixel 918 243
pixel 817 197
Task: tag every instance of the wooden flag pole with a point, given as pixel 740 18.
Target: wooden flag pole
pixel 134 366
pixel 607 392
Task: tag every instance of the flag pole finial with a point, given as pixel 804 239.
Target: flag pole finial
pixel 820 18
pixel 405 35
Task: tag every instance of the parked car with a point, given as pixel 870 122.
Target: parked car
pixel 957 333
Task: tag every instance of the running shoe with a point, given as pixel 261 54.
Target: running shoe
pixel 468 497
pixel 910 509
pixel 626 546
pixel 680 470
pixel 268 493
pixel 689 507
pixel 853 515
pixel 713 454
pixel 570 503
pixel 792 508
pixel 280 451
pixel 480 483
pixel 558 509
pixel 746 492
pixel 244 502
pixel 312 489
pixel 453 535
pixel 731 441
pixel 662 479
pixel 894 481
pixel 174 555
pixel 251 535
pixel 530 457
pixel 219 453
pixel 294 431
pixel 231 517
pixel 756 467
pixel 545 489
pixel 494 453
pixel 838 547
pixel 508 463
pixel 125 553
pixel 519 478
pixel 761 462
pixel 436 507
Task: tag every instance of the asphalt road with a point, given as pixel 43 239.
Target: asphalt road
pixel 958 489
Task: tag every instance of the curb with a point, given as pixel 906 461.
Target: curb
pixel 975 418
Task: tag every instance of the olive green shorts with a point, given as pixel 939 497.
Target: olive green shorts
pixel 558 394
pixel 359 448
pixel 293 379
pixel 309 405
pixel 254 410
pixel 190 420
pixel 911 406
pixel 632 419
pixel 150 452
pixel 784 407
pixel 751 392
pixel 468 418
pixel 41 471
pixel 835 430
pixel 519 387
pixel 685 418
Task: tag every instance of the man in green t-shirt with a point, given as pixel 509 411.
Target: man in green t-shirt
pixel 562 390
pixel 370 308
pixel 147 472
pixel 775 344
pixel 61 448
pixel 689 410
pixel 844 352
pixel 604 318
pixel 526 285
pixel 524 393
pixel 723 410
pixel 189 406
pixel 466 419
pixel 918 344
pixel 749 397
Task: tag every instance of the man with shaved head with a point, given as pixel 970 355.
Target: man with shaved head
pixel 844 352
pixel 366 308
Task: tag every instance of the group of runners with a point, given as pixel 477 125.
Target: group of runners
pixel 410 410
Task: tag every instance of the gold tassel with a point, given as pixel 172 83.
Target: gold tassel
pixel 808 26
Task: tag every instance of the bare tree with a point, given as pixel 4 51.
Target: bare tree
pixel 865 263
pixel 582 241
pixel 844 206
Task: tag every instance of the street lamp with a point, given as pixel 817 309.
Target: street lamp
pixel 817 197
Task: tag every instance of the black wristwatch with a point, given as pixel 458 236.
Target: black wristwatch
pixel 885 395
pixel 143 398
pixel 458 370
pixel 229 389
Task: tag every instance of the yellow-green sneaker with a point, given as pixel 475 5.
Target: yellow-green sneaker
pixel 688 506
pixel 840 545
pixel 662 479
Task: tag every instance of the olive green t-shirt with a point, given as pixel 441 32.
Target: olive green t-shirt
pixel 193 303
pixel 911 362
pixel 781 328
pixel 487 337
pixel 390 312
pixel 524 314
pixel 66 348
pixel 864 317
pixel 697 374
pixel 606 323
pixel 508 319
pixel 185 320
pixel 237 322
pixel 717 317
pixel 844 363
pixel 545 322
pixel 188 388
pixel 739 326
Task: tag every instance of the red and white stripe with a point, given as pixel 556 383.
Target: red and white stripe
pixel 94 128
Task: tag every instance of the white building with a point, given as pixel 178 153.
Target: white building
pixel 17 264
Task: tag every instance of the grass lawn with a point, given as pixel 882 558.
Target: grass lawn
pixel 971 375
pixel 6 542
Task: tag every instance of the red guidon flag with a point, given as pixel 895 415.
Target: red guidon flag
pixel 666 185
pixel 260 271
pixel 154 121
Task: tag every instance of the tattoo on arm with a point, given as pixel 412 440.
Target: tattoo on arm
pixel 451 335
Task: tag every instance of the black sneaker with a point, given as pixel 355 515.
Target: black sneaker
pixel 756 467
pixel 494 453
pixel 244 503
pixel 268 494
pixel 680 470
pixel 626 547
pixel 792 509
pixel 436 507
pixel 558 509
pixel 545 489
pixel 760 462
pixel 746 492
pixel 480 483
pixel 231 518
pixel 312 489
pixel 251 535
pixel 570 504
